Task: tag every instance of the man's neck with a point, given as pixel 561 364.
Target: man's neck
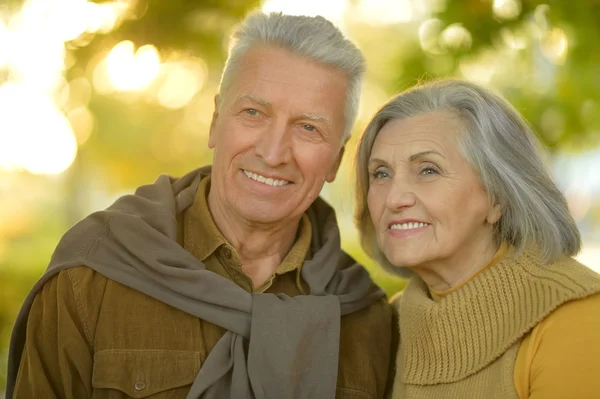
pixel 261 248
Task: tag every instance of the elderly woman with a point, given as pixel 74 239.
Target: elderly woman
pixel 452 191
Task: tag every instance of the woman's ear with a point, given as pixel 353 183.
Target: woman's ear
pixel 494 214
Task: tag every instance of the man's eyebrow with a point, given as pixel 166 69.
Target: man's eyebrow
pixel 254 99
pixel 316 117
pixel 418 155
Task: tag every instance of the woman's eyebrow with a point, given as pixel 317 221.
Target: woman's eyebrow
pixel 377 161
pixel 418 155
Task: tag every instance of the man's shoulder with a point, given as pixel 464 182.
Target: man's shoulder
pixel 80 282
pixel 81 276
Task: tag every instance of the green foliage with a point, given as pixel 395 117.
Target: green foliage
pixel 560 99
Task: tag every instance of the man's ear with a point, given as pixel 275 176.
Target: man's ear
pixel 211 131
pixel 336 166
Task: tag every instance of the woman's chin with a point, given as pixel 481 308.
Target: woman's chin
pixel 402 262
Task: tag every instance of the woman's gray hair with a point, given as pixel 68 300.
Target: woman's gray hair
pixel 502 148
pixel 315 38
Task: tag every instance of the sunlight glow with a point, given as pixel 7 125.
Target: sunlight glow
pixel 82 123
pixel 182 81
pixel 555 45
pixel 104 17
pixel 34 134
pixel 480 69
pixel 60 19
pixel 507 9
pixel 42 63
pixel 333 10
pixel 385 11
pixel 4 47
pixel 513 40
pixel 456 37
pixel 132 71
pixel 429 33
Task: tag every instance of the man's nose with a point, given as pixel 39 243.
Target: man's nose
pixel 274 144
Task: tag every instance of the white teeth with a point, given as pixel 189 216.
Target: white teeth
pixel 266 180
pixel 408 226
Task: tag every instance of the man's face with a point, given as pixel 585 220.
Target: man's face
pixel 277 135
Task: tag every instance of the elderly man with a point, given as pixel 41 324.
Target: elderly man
pixel 228 282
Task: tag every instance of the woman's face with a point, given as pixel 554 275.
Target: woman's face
pixel 428 205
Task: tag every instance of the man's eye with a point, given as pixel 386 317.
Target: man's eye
pixel 309 128
pixel 251 111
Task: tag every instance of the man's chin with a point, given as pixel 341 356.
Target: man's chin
pixel 263 211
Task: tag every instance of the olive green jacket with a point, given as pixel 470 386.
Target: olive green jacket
pixel 91 337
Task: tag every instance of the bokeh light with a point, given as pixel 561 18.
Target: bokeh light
pixel 429 35
pixel 555 46
pixel 182 80
pixel 82 123
pixel 507 9
pixel 132 70
pixel 34 134
pixel 456 37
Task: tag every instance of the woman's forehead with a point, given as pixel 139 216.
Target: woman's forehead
pixel 433 131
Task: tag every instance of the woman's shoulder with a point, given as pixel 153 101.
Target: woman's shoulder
pixel 576 311
pixel 564 274
pixel 561 356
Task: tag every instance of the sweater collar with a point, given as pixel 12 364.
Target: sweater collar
pixel 503 250
pixel 475 324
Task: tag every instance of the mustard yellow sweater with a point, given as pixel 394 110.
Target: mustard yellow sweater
pixel 513 330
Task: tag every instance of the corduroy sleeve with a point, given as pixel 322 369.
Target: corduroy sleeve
pixel 366 352
pixel 560 358
pixel 57 359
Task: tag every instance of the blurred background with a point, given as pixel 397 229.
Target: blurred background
pixel 97 98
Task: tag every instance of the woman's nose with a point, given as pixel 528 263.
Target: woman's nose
pixel 400 196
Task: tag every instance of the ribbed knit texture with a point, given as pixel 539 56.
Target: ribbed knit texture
pixel 466 345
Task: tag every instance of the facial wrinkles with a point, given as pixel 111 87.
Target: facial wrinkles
pixel 289 107
pixel 396 150
pixel 452 202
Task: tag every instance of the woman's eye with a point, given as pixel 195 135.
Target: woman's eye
pixel 379 174
pixel 428 171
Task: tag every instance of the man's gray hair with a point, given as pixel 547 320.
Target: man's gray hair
pixel 504 151
pixel 315 38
